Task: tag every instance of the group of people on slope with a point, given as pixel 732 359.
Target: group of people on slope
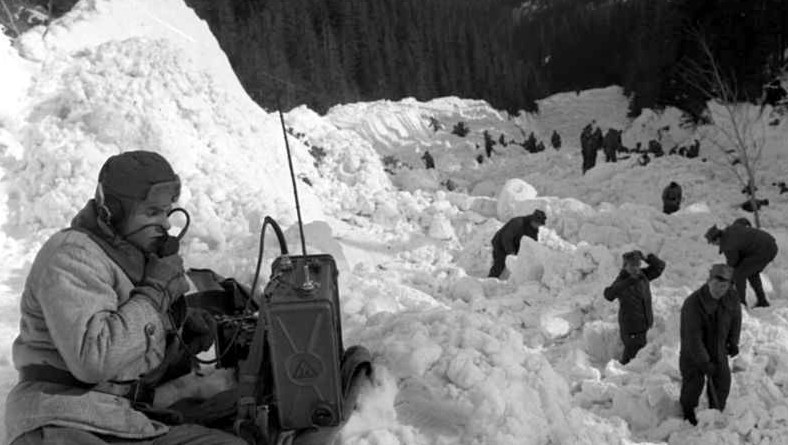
pixel 710 316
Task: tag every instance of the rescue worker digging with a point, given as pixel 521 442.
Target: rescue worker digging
pixel 748 251
pixel 506 240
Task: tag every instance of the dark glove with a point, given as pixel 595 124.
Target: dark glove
pixel 708 368
pixel 164 281
pixel 733 350
pixel 650 258
pixel 199 330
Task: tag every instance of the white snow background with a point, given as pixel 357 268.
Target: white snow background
pixel 459 358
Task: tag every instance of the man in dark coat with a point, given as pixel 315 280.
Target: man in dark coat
pixel 588 149
pixel 555 140
pixel 632 290
pixel 710 328
pixel 671 198
pixel 748 250
pixel 429 162
pixel 611 144
pixel 507 239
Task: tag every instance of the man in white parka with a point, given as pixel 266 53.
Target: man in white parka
pixel 97 318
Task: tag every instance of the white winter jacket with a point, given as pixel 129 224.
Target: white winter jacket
pixel 77 315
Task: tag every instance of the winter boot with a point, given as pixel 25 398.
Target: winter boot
pixel 689 416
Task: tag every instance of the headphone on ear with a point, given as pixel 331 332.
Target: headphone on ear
pixel 110 210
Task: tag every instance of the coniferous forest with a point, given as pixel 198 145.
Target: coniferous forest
pixel 508 52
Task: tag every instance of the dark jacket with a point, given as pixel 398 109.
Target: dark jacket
pixel 671 195
pixel 508 236
pixel 709 328
pixel 738 242
pixel 634 296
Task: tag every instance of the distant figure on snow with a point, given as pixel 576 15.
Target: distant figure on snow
pixel 555 140
pixel 632 289
pixel 655 148
pixel 671 198
pixel 429 162
pixel 611 144
pixel 506 240
pixel 489 143
pixel 748 251
pixel 588 149
pixel 710 330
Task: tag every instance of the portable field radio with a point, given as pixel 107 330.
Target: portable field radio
pixel 301 311
pixel 296 374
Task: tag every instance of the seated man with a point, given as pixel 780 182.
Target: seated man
pixel 98 318
pixel 506 240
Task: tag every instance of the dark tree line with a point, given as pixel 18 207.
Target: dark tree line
pixel 336 51
pixel 325 52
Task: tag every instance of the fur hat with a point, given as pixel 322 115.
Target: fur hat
pixel 133 177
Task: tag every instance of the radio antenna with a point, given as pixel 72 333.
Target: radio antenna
pixel 293 179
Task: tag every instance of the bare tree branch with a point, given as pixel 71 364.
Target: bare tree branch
pixel 10 18
pixel 737 136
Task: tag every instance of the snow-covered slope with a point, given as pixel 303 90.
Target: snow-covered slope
pixel 460 359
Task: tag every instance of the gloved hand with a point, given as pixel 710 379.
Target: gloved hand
pixel 163 282
pixel 708 368
pixel 199 330
pixel 733 350
pixel 650 257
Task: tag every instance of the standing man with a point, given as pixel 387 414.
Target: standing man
pixel 710 328
pixel 748 251
pixel 632 289
pixel 429 161
pixel 555 140
pixel 507 239
pixel 99 316
pixel 671 198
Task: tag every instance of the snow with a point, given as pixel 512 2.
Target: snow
pixel 459 358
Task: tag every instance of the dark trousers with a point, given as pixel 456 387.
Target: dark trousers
pixel 632 344
pixel 750 270
pixel 499 261
pixel 692 381
pixel 669 208
pixel 178 435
